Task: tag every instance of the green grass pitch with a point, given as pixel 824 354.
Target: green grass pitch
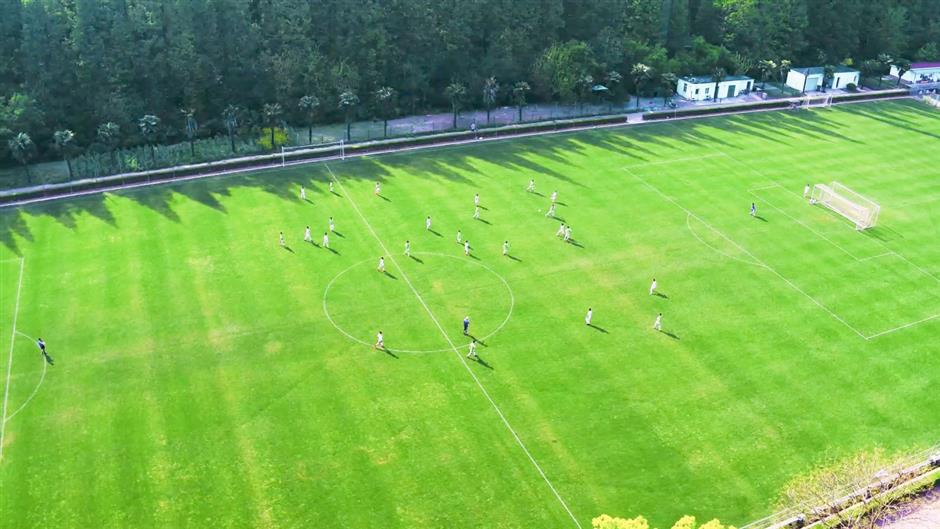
pixel 206 377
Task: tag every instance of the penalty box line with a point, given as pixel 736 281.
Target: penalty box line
pixel 460 357
pixel 760 262
pixel 6 390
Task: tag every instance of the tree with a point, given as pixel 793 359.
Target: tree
pixel 641 75
pixel 230 117
pixel 109 134
pixel 22 148
pixel 385 100
pixel 348 101
pixel 767 67
pixel 191 127
pixel 308 105
pixel 585 85
pixel 903 66
pixel 783 67
pixel 519 91
pixel 561 68
pixel 63 141
pixel 455 92
pixel 490 93
pixel 272 112
pixel 668 80
pixel 148 124
pixel 862 481
pixel 927 52
pixel 613 79
pixel 719 76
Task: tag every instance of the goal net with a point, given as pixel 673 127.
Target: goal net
pixel 340 146
pixel 851 205
pixel 822 101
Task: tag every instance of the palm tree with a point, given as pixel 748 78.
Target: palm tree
pixel 584 85
pixel 766 68
pixel 903 66
pixel 519 90
pixel 230 117
pixel 455 92
pixel 22 147
pixel 308 105
pixel 490 93
pixel 719 76
pixel 641 75
pixel 782 68
pixel 348 101
pixel 63 141
pixel 385 96
pixel 272 113
pixel 148 124
pixel 191 127
pixel 613 79
pixel 109 134
pixel 668 80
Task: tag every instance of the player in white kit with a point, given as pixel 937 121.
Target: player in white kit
pixel 653 287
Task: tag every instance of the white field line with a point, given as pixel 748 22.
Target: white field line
pixel 6 391
pixel 460 357
pixel 45 366
pixel 762 188
pixel 676 160
pixel 905 326
pixel 749 254
pixel 801 223
pixel 886 254
pixel 692 231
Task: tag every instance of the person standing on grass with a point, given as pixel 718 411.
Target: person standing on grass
pixel 331 225
pixel 561 230
pixel 531 187
pixel 459 237
pixel 326 240
pixel 653 287
pixel 380 341
pixel 476 199
pixel 476 212
pixel 551 210
pixel 806 191
pixel 473 349
pixel 568 233
pixel 658 324
pixel 331 186
pixel 753 209
pixel 407 248
pixel 303 193
pixel 42 346
pixel 307 236
pixel 466 247
pixel 280 239
pixel 427 223
pixel 381 267
pixel 378 188
pixel 466 325
pixel 505 247
pixel 589 316
pixel 554 196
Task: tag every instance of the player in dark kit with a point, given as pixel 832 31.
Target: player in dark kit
pixel 466 325
pixel 42 349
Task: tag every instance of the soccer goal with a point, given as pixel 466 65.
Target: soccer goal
pixel 341 145
pixel 862 211
pixel 816 101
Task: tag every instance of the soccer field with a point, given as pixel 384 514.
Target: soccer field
pixel 206 377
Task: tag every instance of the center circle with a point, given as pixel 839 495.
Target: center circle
pixel 360 301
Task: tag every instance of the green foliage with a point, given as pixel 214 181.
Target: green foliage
pixel 272 137
pixel 562 67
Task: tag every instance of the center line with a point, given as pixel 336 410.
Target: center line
pixel 456 351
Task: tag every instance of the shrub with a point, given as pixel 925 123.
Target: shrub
pixel 851 87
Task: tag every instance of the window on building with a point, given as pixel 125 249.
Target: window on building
pixel 696 91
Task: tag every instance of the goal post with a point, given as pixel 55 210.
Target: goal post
pixel 863 212
pixel 813 101
pixel 339 145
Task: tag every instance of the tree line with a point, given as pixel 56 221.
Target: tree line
pixel 97 75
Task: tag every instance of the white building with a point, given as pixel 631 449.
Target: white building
pixel 813 79
pixel 702 87
pixel 920 72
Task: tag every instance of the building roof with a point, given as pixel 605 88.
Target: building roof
pixel 820 70
pixel 924 65
pixel 710 79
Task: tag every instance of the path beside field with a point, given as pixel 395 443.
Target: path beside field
pixel 926 516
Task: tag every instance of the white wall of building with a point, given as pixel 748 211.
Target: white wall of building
pixel 703 91
pixel 915 75
pixel 842 79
